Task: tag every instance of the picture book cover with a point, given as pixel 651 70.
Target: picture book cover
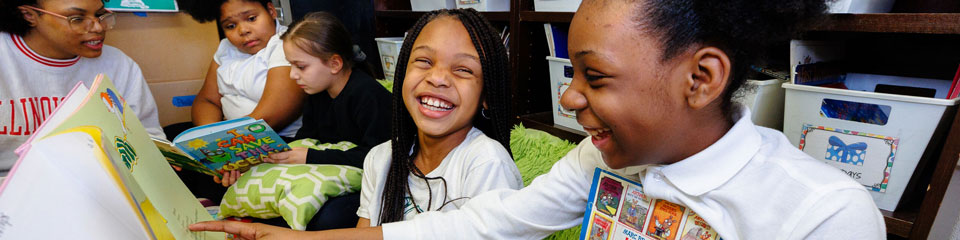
pixel 236 144
pixel 130 147
pixel 697 229
pixel 665 220
pixel 639 217
pixel 635 206
pixel 608 197
pixel 599 228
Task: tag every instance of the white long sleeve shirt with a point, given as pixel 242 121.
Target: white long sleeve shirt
pixel 750 184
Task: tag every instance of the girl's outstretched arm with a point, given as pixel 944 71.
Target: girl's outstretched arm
pixel 266 232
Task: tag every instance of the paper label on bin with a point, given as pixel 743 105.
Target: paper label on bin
pixel 867 158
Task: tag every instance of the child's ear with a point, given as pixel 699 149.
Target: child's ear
pixel 708 76
pixel 335 63
pixel 272 10
pixel 29 16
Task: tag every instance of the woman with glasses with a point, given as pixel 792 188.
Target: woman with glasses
pixel 46 47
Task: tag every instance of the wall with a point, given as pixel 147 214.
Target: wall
pixel 174 52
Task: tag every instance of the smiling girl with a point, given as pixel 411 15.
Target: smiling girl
pixel 653 82
pixel 452 96
pixel 46 47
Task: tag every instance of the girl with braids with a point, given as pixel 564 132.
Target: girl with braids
pixel 453 95
pixel 345 104
pixel 46 48
pixel 652 84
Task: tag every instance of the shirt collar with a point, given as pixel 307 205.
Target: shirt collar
pixel 719 162
pixel 29 53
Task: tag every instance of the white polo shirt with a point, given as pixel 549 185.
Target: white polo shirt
pixel 750 184
pixel 242 77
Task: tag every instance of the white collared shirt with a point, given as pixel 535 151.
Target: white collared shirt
pixel 750 184
pixel 241 77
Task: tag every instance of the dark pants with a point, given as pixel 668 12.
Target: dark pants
pixel 337 212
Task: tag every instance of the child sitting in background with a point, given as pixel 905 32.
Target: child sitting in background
pixel 345 104
pixel 249 76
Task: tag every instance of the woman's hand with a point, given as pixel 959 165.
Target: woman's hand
pixel 297 155
pixel 229 178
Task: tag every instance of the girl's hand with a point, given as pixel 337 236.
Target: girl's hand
pixel 296 155
pixel 229 178
pixel 247 230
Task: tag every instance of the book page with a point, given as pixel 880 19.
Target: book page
pixel 129 146
pixel 61 184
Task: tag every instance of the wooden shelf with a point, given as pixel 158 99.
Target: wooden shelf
pixel 924 23
pixel 531 16
pixel 900 223
pixel 407 14
pixel 543 121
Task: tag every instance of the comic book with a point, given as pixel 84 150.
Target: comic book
pixel 212 149
pixel 618 209
pixel 93 161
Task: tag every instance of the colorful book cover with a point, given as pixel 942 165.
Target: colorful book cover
pixel 177 157
pixel 131 148
pixel 665 220
pixel 608 198
pixel 236 144
pixel 635 207
pixel 697 228
pixel 639 217
pixel 599 228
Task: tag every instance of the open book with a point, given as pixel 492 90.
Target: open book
pixel 618 209
pixel 91 170
pixel 212 149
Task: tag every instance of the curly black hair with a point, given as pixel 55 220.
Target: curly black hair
pixel 208 10
pixel 494 121
pixel 743 29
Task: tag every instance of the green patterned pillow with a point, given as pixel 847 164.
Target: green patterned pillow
pixel 314 144
pixel 292 191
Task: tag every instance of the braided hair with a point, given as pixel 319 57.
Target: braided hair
pixel 493 121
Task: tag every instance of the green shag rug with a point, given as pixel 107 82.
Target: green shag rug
pixel 535 152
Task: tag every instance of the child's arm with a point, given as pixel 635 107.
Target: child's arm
pixel 266 232
pixel 206 107
pixel 363 223
pixel 281 100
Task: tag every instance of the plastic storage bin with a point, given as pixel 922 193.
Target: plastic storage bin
pixel 876 138
pixel 389 50
pixel 561 74
pixel 430 5
pixel 485 5
pixel 556 5
pixel 860 6
pixel 765 102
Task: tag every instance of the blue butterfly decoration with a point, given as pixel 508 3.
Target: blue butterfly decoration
pixel 841 152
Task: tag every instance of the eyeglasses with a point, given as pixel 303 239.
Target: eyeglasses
pixel 83 24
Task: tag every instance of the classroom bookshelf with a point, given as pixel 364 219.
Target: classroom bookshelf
pixel 899 34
